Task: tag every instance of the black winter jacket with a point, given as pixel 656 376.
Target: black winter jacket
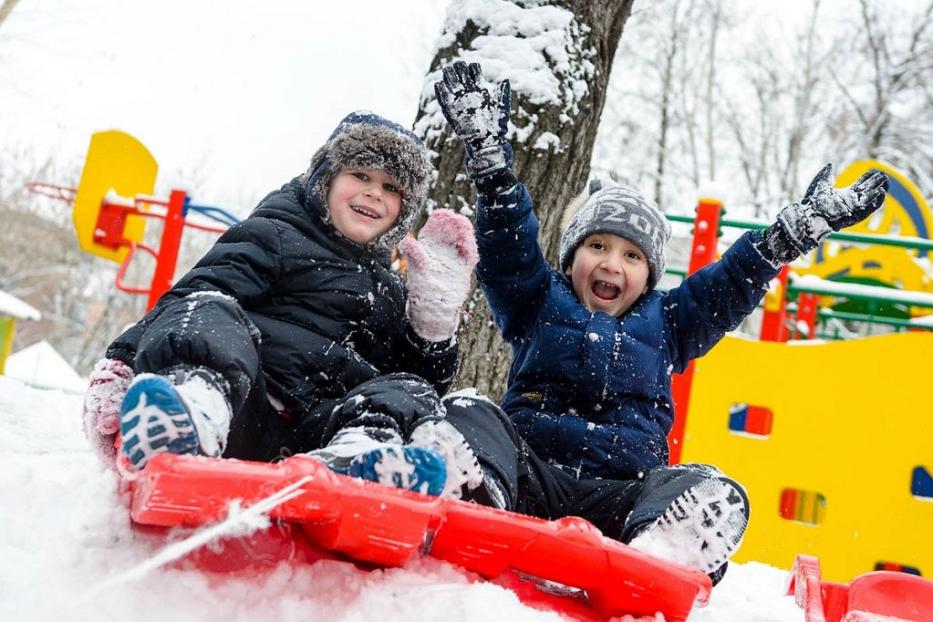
pixel 329 312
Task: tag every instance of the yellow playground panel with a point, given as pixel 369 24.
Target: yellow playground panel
pixel 838 461
pixel 115 161
pixel 11 310
pixel 7 327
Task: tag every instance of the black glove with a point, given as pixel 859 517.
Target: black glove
pixel 800 227
pixel 476 117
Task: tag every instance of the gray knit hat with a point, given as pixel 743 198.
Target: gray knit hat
pixel 366 140
pixel 611 207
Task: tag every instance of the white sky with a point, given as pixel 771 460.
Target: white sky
pixel 247 94
pixel 227 96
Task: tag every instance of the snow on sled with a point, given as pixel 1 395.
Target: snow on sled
pixel 564 565
pixel 881 596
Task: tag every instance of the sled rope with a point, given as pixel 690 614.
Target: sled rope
pixel 238 522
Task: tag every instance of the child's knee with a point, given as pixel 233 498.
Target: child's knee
pixel 469 404
pixel 393 400
pixel 197 329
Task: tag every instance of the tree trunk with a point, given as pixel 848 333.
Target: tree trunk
pixel 6 7
pixel 552 134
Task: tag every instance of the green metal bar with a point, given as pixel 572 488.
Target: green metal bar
pixel 744 224
pixel 796 287
pixel 884 240
pixel 844 236
pixel 859 317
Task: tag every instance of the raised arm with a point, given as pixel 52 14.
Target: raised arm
pixel 440 262
pixel 717 298
pixel 512 269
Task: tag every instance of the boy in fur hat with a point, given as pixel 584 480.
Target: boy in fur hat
pixel 292 335
pixel 588 404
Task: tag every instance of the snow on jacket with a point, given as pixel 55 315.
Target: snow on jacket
pixel 588 391
pixel 330 313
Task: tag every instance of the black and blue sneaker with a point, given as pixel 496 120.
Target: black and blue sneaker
pixel 378 455
pixel 402 466
pixel 701 528
pixel 154 419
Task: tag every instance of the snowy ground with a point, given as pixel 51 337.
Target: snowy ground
pixel 64 532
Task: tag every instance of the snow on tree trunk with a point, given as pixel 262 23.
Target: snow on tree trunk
pixel 558 56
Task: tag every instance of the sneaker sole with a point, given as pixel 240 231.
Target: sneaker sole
pixel 703 527
pixel 407 467
pixel 447 442
pixel 153 419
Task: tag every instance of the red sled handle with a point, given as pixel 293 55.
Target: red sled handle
pixel 872 596
pixel 388 527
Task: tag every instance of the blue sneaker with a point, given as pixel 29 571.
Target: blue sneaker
pixel 402 466
pixel 378 455
pixel 154 419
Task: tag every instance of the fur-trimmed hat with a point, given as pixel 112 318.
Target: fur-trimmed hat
pixel 366 140
pixel 611 207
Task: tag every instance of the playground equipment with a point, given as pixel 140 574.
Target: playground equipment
pixel 880 596
pixel 829 438
pixel 114 199
pixel 834 457
pixel 11 310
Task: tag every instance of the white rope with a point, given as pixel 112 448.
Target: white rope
pixel 239 522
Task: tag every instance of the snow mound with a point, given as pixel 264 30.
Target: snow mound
pixel 42 366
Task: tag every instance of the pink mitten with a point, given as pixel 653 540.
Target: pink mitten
pixel 440 262
pixel 109 382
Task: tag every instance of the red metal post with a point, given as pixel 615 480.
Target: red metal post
pixel 774 321
pixel 702 252
pixel 806 314
pixel 111 222
pixel 168 248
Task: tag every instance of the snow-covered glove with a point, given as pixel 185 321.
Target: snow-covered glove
pixel 108 384
pixel 800 227
pixel 440 263
pixel 477 117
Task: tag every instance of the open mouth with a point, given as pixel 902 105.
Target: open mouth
pixel 606 291
pixel 365 212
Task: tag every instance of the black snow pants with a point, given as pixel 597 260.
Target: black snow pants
pixel 618 508
pixel 213 331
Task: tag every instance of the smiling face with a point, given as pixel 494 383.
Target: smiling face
pixel 364 203
pixel 608 273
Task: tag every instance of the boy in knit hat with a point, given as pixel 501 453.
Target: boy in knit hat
pixel 292 334
pixel 588 404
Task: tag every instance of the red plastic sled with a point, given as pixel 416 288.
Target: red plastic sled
pixel 598 577
pixel 881 596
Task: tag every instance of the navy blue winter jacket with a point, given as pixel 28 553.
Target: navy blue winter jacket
pixel 587 391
